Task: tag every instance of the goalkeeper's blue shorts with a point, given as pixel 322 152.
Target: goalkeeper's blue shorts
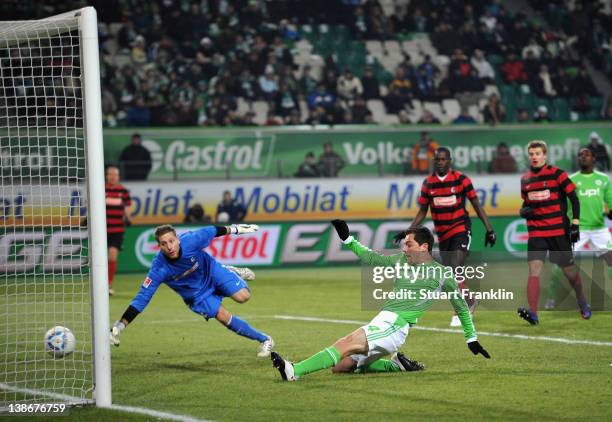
pixel 226 283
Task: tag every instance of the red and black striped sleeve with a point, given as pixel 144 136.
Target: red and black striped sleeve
pixel 468 188
pixel 424 198
pixel 565 183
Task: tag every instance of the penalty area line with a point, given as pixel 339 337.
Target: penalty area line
pixel 73 400
pixel 450 330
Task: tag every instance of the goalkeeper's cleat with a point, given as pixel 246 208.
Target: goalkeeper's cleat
pixel 528 316
pixel 265 348
pixel 285 368
pixel 243 272
pixel 455 321
pixel 405 364
pixel 585 311
pixel 549 305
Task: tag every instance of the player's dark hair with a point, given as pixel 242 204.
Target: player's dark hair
pixel 162 230
pixel 443 149
pixel 422 235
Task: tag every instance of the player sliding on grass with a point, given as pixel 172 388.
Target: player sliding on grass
pixel 198 278
pixel 545 190
pixel 594 193
pixel 362 350
pixel 445 192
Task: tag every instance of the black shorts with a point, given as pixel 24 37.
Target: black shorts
pixel 559 246
pixel 114 240
pixel 458 242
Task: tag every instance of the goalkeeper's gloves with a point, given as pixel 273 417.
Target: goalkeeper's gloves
pixel 526 212
pixel 490 238
pixel 243 228
pixel 341 228
pixel 116 330
pixel 476 348
pixel 574 233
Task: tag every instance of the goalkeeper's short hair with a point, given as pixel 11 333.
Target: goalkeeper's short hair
pixel 422 235
pixel 162 230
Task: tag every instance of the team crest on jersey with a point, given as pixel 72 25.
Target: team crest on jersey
pixel 193 259
pixel 453 189
pixel 147 282
pixel 598 182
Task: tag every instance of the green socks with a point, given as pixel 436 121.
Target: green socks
pixel 326 358
pixel 380 365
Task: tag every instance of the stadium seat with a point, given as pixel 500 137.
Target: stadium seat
pixel 377 108
pixel 261 112
pixel 389 119
pixel 452 107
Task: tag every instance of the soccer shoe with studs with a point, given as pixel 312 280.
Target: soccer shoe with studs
pixel 405 364
pixel 528 316
pixel 265 348
pixel 585 311
pixel 285 368
pixel 243 272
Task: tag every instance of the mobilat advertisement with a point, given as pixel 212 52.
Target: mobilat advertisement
pixel 268 201
pixel 211 154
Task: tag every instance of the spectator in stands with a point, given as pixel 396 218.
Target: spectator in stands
pixel 330 162
pixel 402 86
pixel 534 48
pixel 307 83
pixel 196 215
pixel 428 118
pixel 371 86
pixel 483 67
pixel 349 86
pixel 235 210
pixel 494 112
pixel 602 159
pixel 309 168
pixel 542 84
pixel 582 84
pixel 513 70
pixel 268 84
pixel 359 111
pixel 321 98
pixel 394 101
pixel 464 117
pixel 135 160
pixel 522 116
pixel 138 114
pixel 423 153
pixel 503 162
pixel 425 87
pixel 541 115
pixel 285 101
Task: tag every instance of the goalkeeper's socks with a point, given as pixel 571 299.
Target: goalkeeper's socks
pixel 533 293
pixel 380 365
pixel 242 328
pixel 112 269
pixel 326 358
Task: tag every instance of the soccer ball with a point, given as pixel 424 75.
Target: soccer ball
pixel 59 342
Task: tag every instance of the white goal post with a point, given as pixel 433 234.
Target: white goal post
pixel 53 269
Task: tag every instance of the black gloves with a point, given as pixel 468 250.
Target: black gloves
pixel 341 228
pixel 574 233
pixel 610 215
pixel 476 348
pixel 490 238
pixel 526 212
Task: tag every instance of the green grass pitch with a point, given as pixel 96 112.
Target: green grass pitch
pixel 171 360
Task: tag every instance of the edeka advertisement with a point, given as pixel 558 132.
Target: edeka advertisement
pixel 315 243
pixel 212 153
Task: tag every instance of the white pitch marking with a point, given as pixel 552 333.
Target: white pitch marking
pixel 448 330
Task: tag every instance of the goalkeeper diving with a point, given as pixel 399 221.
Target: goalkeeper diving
pixel 362 350
pixel 201 281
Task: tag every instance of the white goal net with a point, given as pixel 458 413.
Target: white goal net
pixel 45 261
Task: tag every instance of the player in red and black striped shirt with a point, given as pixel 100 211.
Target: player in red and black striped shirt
pixel 445 193
pixel 545 190
pixel 117 201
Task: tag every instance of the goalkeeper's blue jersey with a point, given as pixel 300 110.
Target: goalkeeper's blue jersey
pixel 190 275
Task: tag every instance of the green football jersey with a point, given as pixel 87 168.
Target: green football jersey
pixel 593 192
pixel 431 278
